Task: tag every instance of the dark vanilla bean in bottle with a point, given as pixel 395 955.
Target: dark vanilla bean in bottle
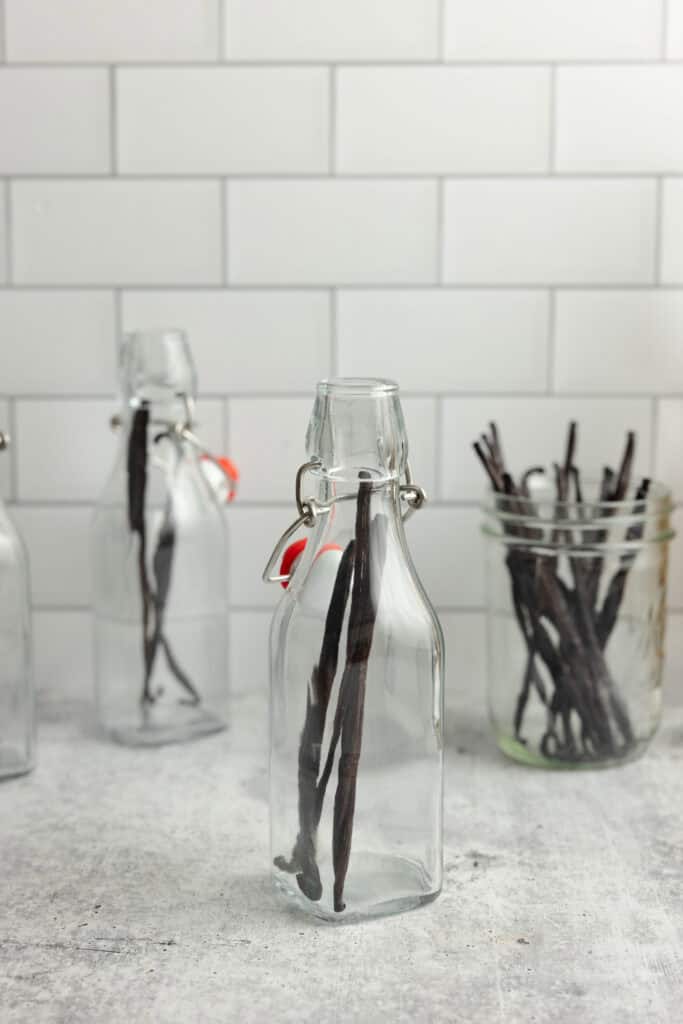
pixel 159 560
pixel 356 676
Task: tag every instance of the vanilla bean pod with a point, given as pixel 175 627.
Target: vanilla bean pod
pixel 352 689
pixel 303 860
pixel 137 488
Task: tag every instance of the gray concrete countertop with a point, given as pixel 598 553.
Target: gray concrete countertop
pixel 134 888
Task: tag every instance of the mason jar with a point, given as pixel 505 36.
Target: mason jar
pixel 576 617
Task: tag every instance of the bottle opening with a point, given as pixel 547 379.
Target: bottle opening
pixel 366 387
pixel 157 366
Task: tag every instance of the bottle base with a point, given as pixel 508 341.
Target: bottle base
pixel 526 755
pixel 13 764
pixel 147 732
pixel 404 883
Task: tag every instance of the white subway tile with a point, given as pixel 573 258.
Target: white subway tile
pixel 611 341
pixel 533 432
pixel 110 232
pixel 243 340
pixel 674 40
pixel 65 449
pixel 57 342
pixel 446 546
pixel 465 637
pixel 620 119
pixel 322 30
pixel 58 541
pixel 441 340
pixel 549 231
pixel 5 456
pixel 420 419
pixel 54 120
pixel 416 120
pixel 320 232
pixel 267 471
pixel 672 232
pixel 249 652
pixel 63 663
pixel 111 31
pixel 673 662
pixel 253 533
pixel 552 29
pixel 669 460
pixel 223 120
pixel 675 566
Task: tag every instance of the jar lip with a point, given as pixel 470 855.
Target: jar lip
pixel 366 387
pixel 581 514
pixel 155 333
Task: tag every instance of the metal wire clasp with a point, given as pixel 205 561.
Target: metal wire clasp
pixel 309 510
pixel 4 441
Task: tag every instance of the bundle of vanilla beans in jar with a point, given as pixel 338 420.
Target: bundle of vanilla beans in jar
pixel 567 596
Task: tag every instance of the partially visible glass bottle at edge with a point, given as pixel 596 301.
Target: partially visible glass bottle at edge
pixel 159 560
pixel 356 676
pixel 17 704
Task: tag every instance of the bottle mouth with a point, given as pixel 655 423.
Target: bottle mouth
pixel 357 387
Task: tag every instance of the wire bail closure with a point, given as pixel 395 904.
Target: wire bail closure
pixel 310 510
pixel 180 430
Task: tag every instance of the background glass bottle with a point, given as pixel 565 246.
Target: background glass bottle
pixel 356 679
pixel 159 561
pixel 17 703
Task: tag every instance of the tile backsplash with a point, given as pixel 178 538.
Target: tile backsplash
pixel 482 199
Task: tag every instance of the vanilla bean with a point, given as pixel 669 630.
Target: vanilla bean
pixel 303 860
pixel 137 487
pixel 352 689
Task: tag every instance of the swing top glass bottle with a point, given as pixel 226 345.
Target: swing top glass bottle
pixel 159 560
pixel 356 676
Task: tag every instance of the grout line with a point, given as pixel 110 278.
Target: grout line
pixel 334 333
pixel 659 204
pixel 221 49
pixel 654 425
pixel 13 450
pixel 307 176
pixel 465 394
pixel 439 441
pixel 226 424
pixel 551 340
pixel 225 267
pixel 441 31
pixel 440 229
pixel 113 126
pixel 345 286
pixel 552 122
pixel 9 262
pixel 287 63
pixel 664 29
pixel 332 116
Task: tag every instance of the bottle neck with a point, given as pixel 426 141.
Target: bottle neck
pixel 357 427
pixel 157 373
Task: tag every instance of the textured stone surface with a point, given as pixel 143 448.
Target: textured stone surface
pixel 134 888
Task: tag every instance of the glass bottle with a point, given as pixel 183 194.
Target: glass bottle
pixel 159 560
pixel 357 662
pixel 17 703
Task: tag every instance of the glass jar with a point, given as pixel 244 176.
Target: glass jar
pixel 576 615
pixel 159 560
pixel 17 703
pixel 357 662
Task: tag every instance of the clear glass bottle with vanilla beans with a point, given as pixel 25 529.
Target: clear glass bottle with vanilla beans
pixel 357 661
pixel 159 557
pixel 17 701
pixel 576 608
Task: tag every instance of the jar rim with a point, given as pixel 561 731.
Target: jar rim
pixel 586 514
pixel 367 387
